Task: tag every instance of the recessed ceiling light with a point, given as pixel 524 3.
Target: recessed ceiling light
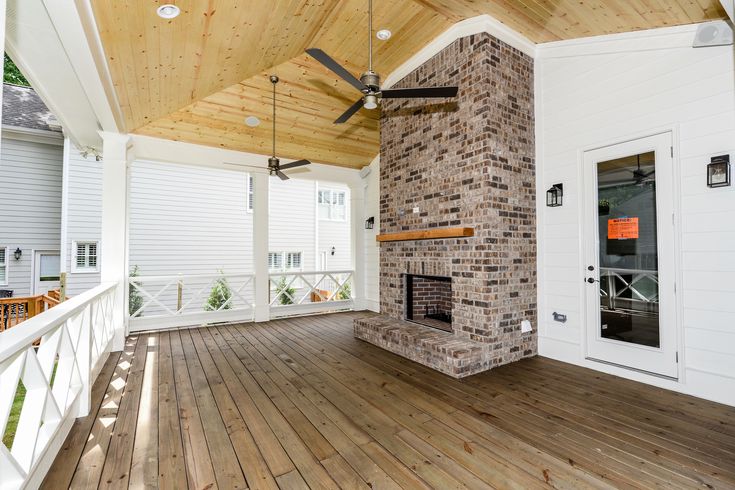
pixel 383 34
pixel 252 121
pixel 168 11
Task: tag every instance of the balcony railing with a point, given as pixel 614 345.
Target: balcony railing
pixel 48 364
pixel 179 300
pixel 17 310
pixel 293 293
pixel 629 289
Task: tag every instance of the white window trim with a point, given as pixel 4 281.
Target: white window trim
pixel 284 255
pixel 84 270
pixel 249 188
pixel 332 191
pixel 7 267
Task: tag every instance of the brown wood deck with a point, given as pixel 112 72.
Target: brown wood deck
pixel 300 403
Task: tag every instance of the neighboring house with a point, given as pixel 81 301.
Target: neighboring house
pixel 183 220
pixel 31 167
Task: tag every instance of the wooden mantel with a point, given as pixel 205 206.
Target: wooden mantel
pixel 426 234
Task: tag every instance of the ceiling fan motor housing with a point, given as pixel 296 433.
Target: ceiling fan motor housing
pixel 273 163
pixel 372 81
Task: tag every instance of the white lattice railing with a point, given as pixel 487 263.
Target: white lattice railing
pixel 177 300
pixel 310 291
pixel 47 367
pixel 634 289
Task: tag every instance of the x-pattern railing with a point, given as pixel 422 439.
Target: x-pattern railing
pixel 56 374
pixel 309 287
pixel 170 294
pixel 615 283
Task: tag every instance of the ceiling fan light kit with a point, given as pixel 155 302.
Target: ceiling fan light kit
pixel 369 82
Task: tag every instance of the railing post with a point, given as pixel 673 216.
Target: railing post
pixel 179 295
pixel 260 248
pixel 357 244
pixel 84 360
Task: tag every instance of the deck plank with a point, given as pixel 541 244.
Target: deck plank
pixel 300 403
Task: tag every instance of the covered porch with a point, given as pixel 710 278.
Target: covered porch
pixel 300 403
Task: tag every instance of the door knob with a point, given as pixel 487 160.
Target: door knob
pixel 592 280
pixel 591 268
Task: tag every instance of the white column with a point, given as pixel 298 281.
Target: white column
pixel 260 246
pixel 114 244
pixel 357 243
pixel 3 8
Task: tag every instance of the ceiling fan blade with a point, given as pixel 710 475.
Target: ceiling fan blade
pixel 419 92
pixel 338 69
pixel 281 175
pixel 298 163
pixel 349 112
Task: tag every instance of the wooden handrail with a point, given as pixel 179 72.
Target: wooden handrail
pixel 16 310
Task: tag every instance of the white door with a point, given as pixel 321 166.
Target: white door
pixel 629 255
pixel 46 268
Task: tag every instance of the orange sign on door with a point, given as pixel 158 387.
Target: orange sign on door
pixel 622 228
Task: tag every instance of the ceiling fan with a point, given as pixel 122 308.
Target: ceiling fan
pixel 369 82
pixel 274 163
pixel 639 174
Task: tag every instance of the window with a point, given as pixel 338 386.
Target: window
pixel 85 257
pixel 4 266
pixel 293 261
pixel 250 193
pixel 284 261
pixel 331 204
pixel 275 261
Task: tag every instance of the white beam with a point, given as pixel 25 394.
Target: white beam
pixel 357 243
pixel 729 6
pixel 114 243
pixel 260 246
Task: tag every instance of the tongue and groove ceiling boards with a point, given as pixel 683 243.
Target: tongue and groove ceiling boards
pixel 197 77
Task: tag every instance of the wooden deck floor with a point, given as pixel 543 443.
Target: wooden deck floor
pixel 299 403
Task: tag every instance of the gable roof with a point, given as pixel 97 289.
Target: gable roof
pixel 22 107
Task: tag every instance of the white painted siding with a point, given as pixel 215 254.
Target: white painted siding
pixel 30 205
pixel 84 215
pixel 372 249
pixel 336 233
pixel 591 93
pixel 188 220
pixel 291 219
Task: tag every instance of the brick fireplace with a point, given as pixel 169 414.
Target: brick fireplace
pixel 428 300
pixel 462 163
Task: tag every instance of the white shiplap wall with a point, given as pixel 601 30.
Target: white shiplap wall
pixel 84 215
pixel 594 92
pixel 30 205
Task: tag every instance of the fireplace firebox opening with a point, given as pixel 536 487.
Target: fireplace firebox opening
pixel 429 300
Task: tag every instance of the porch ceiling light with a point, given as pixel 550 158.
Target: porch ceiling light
pixel 252 121
pixel 168 11
pixel 383 34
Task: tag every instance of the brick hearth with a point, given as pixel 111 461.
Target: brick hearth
pixel 463 163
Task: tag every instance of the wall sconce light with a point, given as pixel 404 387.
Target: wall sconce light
pixel 718 171
pixel 554 195
pixel 333 250
pixel 370 223
pixel 18 253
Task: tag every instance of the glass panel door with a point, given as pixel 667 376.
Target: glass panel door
pixel 629 255
pixel 626 191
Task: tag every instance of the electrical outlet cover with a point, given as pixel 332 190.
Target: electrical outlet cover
pixel 526 326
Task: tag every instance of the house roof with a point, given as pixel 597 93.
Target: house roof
pixel 22 107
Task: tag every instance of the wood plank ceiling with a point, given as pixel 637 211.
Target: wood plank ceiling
pixel 197 77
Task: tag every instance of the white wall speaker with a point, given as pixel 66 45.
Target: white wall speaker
pixel 717 33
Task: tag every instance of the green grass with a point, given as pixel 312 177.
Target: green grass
pixel 14 415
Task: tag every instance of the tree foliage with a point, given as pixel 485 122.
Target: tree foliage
pixel 219 297
pixel 11 73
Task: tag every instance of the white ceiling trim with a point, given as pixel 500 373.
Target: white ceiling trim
pixel 467 27
pixel 729 6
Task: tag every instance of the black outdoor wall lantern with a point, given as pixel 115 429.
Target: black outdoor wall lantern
pixel 370 223
pixel 718 171
pixel 18 253
pixel 333 250
pixel 554 195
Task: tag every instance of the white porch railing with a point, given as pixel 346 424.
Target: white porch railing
pixel 294 293
pixel 47 367
pixel 180 300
